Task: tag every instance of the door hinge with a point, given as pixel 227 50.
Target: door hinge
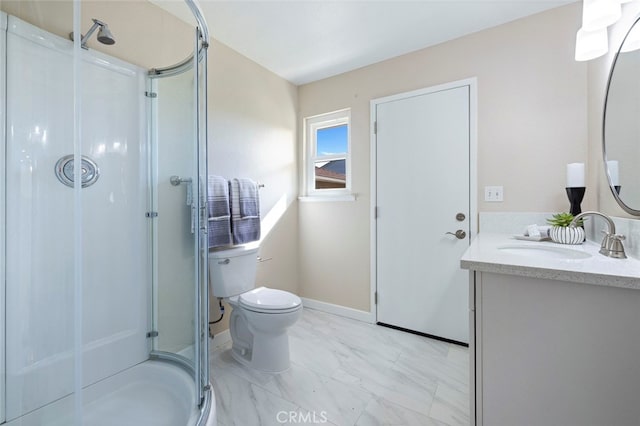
pixel 375 127
pixel 151 94
pixel 376 212
pixel 151 214
pixel 152 334
pixel 375 298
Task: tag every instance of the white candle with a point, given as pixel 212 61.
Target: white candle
pixel 575 175
pixel 614 173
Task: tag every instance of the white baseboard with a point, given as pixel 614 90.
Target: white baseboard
pixel 342 311
pixel 220 339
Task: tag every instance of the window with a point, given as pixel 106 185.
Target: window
pixel 327 162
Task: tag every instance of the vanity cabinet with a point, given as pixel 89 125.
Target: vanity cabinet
pixel 547 351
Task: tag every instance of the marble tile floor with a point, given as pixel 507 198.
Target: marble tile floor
pixel 346 372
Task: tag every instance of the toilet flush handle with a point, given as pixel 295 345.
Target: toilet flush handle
pixel 224 262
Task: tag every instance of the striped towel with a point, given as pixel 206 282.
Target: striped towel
pixel 244 229
pixel 219 212
pixel 249 198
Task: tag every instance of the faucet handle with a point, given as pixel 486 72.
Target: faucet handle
pixel 612 246
pixel 616 249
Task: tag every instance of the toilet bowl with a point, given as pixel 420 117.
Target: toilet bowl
pixel 260 317
pixel 259 323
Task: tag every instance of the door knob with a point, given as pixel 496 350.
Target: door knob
pixel 460 234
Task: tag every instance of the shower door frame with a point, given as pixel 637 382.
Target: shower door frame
pixel 3 235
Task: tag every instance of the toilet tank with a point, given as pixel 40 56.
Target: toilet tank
pixel 233 271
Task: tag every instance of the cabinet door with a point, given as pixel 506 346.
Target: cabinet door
pixel 556 353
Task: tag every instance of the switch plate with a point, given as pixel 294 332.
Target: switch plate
pixel 494 194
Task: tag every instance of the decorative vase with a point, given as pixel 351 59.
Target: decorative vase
pixel 567 234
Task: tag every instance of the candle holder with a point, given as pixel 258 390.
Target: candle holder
pixel 575 198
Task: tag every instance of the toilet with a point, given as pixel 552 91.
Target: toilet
pixel 260 316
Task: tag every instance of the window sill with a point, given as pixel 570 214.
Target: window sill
pixel 327 198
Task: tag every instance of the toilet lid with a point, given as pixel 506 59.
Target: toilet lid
pixel 267 299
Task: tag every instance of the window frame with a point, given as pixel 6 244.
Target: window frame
pixel 311 126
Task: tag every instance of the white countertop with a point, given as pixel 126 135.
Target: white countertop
pixel 484 255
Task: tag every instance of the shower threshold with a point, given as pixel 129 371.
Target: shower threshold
pixel 150 393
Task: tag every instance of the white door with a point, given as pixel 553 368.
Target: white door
pixel 423 199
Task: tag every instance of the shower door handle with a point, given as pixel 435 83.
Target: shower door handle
pixel 193 219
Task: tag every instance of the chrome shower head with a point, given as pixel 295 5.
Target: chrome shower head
pixel 104 35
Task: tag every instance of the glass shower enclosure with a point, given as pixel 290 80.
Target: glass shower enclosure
pixel 103 254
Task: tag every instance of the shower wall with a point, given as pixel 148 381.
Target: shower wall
pixel 115 254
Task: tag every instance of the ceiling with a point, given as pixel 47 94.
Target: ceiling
pixel 308 40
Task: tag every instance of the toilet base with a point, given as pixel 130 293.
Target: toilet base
pixel 260 341
pixel 271 356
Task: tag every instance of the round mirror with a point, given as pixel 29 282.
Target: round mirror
pixel 621 124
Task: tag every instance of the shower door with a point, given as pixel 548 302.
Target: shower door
pixel 177 102
pixel 174 220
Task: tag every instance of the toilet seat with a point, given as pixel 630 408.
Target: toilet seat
pixel 268 300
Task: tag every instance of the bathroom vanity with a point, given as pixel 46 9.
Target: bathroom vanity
pixel 555 334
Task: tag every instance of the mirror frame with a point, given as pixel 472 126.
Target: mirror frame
pixel 615 194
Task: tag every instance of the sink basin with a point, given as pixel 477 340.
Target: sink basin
pixel 543 252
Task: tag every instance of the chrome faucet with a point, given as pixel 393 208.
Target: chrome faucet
pixel 611 243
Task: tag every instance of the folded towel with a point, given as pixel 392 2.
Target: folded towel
pixel 249 198
pixel 218 196
pixel 219 232
pixel 219 224
pixel 245 229
pixel 541 231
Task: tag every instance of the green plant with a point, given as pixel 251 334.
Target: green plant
pixel 563 219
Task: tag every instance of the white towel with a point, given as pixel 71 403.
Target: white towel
pixel 219 224
pixel 541 231
pixel 244 229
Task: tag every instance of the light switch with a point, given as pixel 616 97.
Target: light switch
pixel 494 194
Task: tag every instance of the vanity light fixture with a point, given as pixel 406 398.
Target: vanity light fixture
pixel 591 44
pixel 632 42
pixel 598 14
pixel 591 40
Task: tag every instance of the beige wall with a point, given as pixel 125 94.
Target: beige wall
pixel 532 121
pixel 598 77
pixel 145 34
pixel 252 133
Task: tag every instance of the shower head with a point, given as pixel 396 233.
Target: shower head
pixel 104 35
